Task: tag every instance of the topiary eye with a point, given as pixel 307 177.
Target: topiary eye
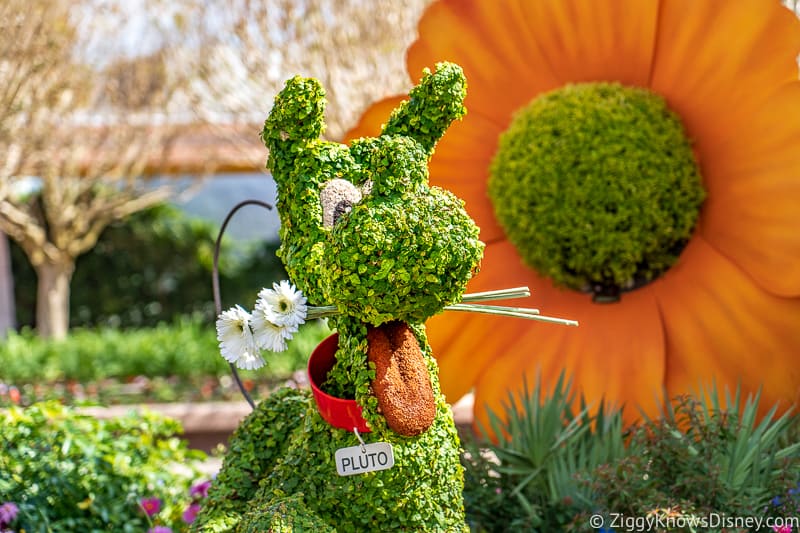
pixel 337 198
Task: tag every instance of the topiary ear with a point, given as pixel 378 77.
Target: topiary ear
pixel 297 117
pixel 433 105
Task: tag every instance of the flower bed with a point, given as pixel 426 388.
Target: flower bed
pixel 61 470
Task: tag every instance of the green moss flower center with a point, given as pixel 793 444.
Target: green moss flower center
pixel 597 187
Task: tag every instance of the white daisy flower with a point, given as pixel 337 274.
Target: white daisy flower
pixel 236 341
pixel 250 361
pixel 284 305
pixel 269 335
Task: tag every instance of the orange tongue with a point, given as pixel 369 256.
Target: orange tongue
pixel 401 384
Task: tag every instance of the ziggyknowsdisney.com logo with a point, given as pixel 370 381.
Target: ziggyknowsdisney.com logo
pixel 659 521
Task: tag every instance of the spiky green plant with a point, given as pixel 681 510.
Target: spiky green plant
pixel 543 443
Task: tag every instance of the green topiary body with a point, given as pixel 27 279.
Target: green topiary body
pixel 398 250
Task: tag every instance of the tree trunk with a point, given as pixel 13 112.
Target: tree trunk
pixel 7 309
pixel 52 297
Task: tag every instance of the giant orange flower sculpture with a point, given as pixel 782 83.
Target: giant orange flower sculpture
pixel 636 163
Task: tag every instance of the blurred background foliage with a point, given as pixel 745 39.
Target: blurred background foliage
pixel 90 474
pixel 155 266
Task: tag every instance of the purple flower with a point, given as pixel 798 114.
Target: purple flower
pixel 159 529
pixel 151 506
pixel 190 513
pixel 8 513
pixel 200 490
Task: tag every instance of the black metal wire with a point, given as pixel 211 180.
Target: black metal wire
pixel 215 282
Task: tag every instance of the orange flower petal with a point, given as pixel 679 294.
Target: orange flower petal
pixel 491 43
pixel 460 362
pixel 751 214
pixel 616 353
pixel 716 61
pixel 373 119
pixel 594 41
pixel 721 327
pixel 461 165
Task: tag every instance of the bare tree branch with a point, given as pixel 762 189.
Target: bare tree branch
pixel 355 47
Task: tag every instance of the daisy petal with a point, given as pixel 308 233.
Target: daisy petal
pixel 267 334
pixel 235 335
pixel 250 361
pixel 283 305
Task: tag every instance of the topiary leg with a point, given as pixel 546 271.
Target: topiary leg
pixel 284 515
pixel 255 446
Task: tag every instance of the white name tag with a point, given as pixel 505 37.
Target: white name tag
pixel 362 459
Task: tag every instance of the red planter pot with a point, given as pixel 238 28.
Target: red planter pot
pixel 340 413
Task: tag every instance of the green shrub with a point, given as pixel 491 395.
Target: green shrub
pixel 705 457
pixel 151 267
pixel 69 472
pixel 549 470
pixel 184 351
pixel 488 496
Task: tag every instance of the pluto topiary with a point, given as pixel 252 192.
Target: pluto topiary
pixel 378 250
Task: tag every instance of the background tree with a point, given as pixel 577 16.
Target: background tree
pixel 355 48
pixel 76 135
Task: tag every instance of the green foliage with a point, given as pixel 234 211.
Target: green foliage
pixel 152 267
pixel 388 260
pixel 489 502
pixel 596 184
pixel 186 349
pixel 541 446
pixel 550 470
pixel 703 457
pixel 68 472
pixel 285 515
